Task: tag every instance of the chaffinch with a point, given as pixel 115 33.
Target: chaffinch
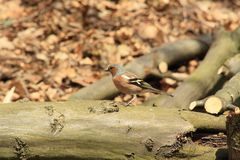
pixel 129 83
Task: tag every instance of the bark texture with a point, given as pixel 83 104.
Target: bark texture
pixel 233 135
pixel 92 130
pixel 171 53
pixel 204 121
pixel 205 77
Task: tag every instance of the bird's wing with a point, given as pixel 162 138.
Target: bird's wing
pixel 139 82
pixel 134 80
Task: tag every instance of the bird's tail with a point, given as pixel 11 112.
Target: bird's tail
pixel 157 91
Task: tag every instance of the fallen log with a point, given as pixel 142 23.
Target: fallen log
pixel 198 84
pixel 233 136
pixel 92 130
pixel 207 122
pixel 223 99
pixel 171 75
pixel 170 54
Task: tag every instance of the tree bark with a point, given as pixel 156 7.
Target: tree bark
pixel 205 77
pixel 204 121
pixel 233 136
pixel 170 53
pixel 92 130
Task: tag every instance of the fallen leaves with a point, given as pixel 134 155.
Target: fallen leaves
pixel 6 44
pixel 147 31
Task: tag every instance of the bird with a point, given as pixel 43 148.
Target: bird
pixel 128 83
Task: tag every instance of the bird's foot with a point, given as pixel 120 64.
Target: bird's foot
pixel 126 104
pixel 130 101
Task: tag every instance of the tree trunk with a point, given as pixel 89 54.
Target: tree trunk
pixel 205 77
pixel 171 53
pixel 93 130
pixel 233 136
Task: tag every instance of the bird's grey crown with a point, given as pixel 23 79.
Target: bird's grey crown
pixel 120 69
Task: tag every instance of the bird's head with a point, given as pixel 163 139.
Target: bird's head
pixel 115 69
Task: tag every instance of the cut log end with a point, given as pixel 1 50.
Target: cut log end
pixel 214 105
pixel 163 67
pixel 237 110
pixel 223 70
pixel 192 105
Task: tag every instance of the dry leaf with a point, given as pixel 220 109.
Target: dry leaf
pixel 61 56
pixel 52 39
pixel 51 93
pixel 11 9
pixel 147 31
pixel 123 50
pixel 86 61
pixel 6 44
pixel 35 96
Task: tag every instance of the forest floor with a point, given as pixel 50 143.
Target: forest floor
pixel 50 49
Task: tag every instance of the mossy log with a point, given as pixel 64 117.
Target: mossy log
pixel 223 99
pixel 170 53
pixel 233 136
pixel 199 83
pixel 230 67
pixel 92 130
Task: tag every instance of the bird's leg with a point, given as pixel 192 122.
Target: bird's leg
pixel 131 100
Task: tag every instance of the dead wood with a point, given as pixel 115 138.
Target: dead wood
pixel 171 54
pixel 93 129
pixel 204 121
pixel 205 77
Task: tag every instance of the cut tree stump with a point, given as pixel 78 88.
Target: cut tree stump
pixel 233 136
pixel 94 130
